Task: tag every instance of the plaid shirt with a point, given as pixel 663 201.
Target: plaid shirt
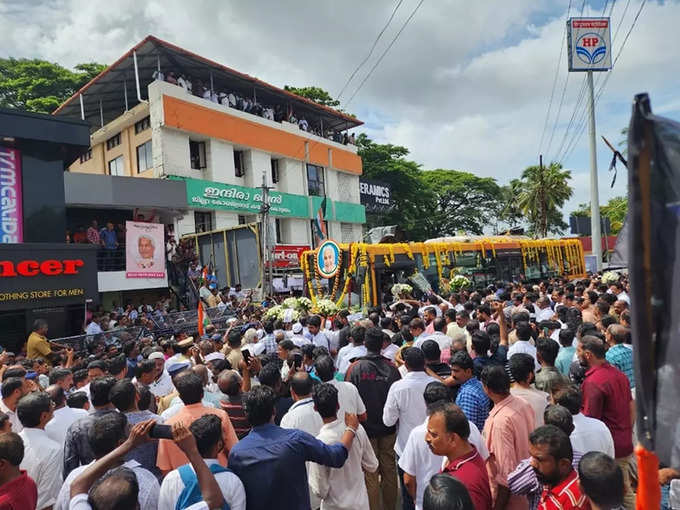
pixel 269 344
pixel 474 402
pixel 622 358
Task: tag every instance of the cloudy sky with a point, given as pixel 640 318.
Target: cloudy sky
pixel 466 86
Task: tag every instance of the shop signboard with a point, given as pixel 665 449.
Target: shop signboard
pixel 230 197
pixel 288 255
pixel 144 250
pixel 589 44
pixel 375 195
pixel 44 275
pixel 11 211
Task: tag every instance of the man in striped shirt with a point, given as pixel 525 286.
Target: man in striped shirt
pixel 551 458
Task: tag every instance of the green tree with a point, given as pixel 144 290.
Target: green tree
pixel 463 202
pixel 541 193
pixel 316 94
pixel 616 210
pixel 412 200
pixel 40 86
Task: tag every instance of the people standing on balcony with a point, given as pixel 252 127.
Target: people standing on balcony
pixel 109 241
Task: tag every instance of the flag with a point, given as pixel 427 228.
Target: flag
pixel 201 330
pixel 319 224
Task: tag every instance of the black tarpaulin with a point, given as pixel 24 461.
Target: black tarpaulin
pixel 654 268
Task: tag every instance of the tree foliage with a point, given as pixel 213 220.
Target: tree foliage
pixel 541 193
pixel 316 94
pixel 40 86
pixel 616 210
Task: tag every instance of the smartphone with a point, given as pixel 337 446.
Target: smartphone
pixel 246 355
pixel 159 431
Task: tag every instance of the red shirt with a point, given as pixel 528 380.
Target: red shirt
pixel 470 470
pixel 19 494
pixel 607 397
pixel 565 496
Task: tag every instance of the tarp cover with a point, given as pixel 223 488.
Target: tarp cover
pixel 654 267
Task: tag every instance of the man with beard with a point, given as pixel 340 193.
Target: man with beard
pixel 551 457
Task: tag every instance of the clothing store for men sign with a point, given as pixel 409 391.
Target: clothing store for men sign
pixel 43 275
pixel 230 197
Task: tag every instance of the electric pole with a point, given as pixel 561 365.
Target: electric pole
pixel 267 259
pixel 595 232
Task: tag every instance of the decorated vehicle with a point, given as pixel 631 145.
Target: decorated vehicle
pixel 367 274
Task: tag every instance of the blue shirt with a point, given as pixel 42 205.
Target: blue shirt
pixel 270 461
pixel 564 359
pixel 109 238
pixel 474 402
pixel 622 358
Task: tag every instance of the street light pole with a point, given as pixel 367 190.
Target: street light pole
pixel 267 274
pixel 595 232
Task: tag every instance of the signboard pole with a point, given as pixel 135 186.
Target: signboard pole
pixel 594 194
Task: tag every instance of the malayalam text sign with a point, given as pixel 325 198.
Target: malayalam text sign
pixel 589 44
pixel 11 212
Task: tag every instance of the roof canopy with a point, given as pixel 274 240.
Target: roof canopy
pixel 110 87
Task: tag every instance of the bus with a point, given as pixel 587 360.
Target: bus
pixel 367 272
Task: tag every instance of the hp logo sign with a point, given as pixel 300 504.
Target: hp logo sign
pixel 591 48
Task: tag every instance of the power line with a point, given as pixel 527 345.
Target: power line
pixel 375 43
pixel 557 73
pixel 385 52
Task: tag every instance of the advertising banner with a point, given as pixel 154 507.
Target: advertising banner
pixel 589 44
pixel 11 211
pixel 144 250
pixel 44 275
pixel 375 195
pixel 230 197
pixel 288 255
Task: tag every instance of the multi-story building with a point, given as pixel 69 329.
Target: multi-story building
pixel 172 133
pixel 162 112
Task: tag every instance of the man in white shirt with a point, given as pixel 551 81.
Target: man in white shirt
pixel 314 333
pixel 343 488
pixel 63 416
pixel 93 327
pixel 13 388
pixel 297 337
pixel 355 349
pixel 162 384
pixel 418 463
pixel 389 350
pixel 405 404
pixel 590 434
pixel 208 433
pixel 109 431
pixel 523 332
pixel 544 312
pixel 438 336
pixel 43 457
pixel 302 415
pixel 349 399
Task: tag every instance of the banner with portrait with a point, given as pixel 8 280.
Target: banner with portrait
pixel 144 250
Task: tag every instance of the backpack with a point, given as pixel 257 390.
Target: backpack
pixel 192 492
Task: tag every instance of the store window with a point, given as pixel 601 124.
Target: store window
pixel 144 161
pixel 197 155
pixel 203 221
pixel 315 181
pixel 112 142
pixel 117 166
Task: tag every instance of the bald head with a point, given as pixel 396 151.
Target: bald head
pixel 229 382
pixel 301 385
pixel 202 372
pixel 57 395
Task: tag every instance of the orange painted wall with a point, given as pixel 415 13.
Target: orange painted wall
pixel 206 121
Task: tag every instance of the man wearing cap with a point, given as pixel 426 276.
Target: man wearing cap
pixel 162 385
pixel 213 298
pixel 298 339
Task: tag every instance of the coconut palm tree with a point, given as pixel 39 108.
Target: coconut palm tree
pixel 542 191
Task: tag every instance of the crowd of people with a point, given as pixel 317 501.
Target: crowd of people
pixel 515 396
pixel 233 99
